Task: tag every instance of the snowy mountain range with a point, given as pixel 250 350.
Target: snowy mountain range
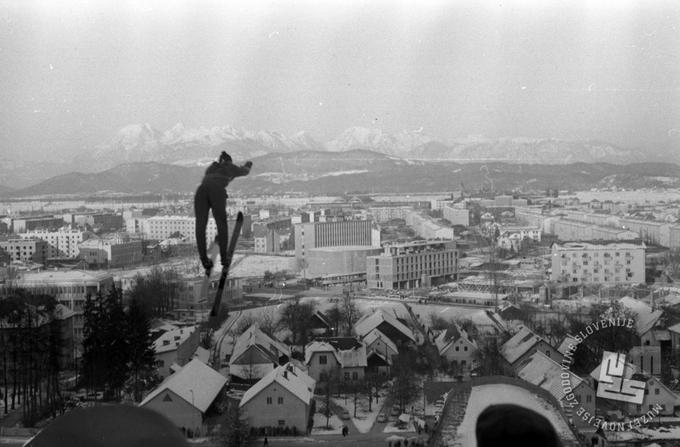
pixel 198 146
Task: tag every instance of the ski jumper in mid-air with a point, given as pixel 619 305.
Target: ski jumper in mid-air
pixel 212 194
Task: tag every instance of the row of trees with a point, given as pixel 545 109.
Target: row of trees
pixel 30 349
pixel 298 318
pixel 117 346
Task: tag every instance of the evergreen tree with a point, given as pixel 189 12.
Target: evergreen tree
pixel 141 355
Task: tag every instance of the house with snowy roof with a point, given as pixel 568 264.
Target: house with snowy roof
pixel 184 397
pixel 646 320
pixel 174 348
pixel 380 352
pixel 388 324
pixel 523 345
pixel 345 356
pixel 256 354
pixel 542 371
pixel 282 398
pixel 456 347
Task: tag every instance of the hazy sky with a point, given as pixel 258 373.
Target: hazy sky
pixel 72 73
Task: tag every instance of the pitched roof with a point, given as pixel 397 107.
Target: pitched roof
pixel 372 321
pixel 253 336
pixel 170 340
pixel 564 346
pixel 347 358
pixel 449 336
pixel 519 344
pixel 675 328
pixel 645 317
pixel 375 335
pixel 320 346
pixel 353 358
pixel 541 370
pixel 196 383
pixel 288 376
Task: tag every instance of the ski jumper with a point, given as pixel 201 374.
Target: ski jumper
pixel 212 194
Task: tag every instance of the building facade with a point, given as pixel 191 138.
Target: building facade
pixel 587 263
pixel 416 264
pixel 25 250
pixel 335 234
pixel 60 244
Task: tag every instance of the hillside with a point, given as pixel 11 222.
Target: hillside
pixel 321 172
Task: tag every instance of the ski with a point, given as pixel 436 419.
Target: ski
pixel 225 268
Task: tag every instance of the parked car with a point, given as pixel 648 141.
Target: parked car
pixel 345 415
pixel 395 411
pixel 382 418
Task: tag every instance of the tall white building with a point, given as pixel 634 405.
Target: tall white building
pixel 587 263
pixel 162 227
pixel 60 244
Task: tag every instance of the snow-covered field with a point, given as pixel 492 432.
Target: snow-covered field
pixel 256 265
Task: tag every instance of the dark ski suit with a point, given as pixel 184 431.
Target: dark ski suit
pixel 212 194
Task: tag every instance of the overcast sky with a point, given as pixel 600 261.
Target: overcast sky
pixel 73 73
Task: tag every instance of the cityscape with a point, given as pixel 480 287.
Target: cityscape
pixel 386 287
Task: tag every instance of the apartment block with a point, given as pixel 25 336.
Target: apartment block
pixel 457 216
pixel 416 264
pixel 25 250
pixel 60 244
pixel 24 224
pixel 589 263
pixel 111 252
pixel 384 214
pixel 427 228
pixel 335 234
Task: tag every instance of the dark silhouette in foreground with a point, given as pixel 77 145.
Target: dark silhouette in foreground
pixel 110 426
pixel 511 425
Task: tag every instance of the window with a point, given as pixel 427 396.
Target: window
pixel 464 348
pixel 346 375
pixel 269 401
pixel 323 360
pixel 457 348
pixel 355 375
pixel 656 391
pixel 279 400
pixel 589 398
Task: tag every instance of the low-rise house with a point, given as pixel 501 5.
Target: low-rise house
pixel 256 354
pixel 540 370
pixel 388 324
pixel 185 396
pixel 656 393
pixel 174 348
pixel 457 348
pixel 523 345
pixel 378 343
pixel 647 359
pixel 646 320
pixel 282 398
pixel 345 356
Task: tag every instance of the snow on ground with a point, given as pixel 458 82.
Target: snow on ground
pixel 365 419
pixel 643 433
pixel 485 395
pixel 391 428
pixel 256 265
pixel 320 425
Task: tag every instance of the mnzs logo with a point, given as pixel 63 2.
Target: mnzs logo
pixel 613 381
